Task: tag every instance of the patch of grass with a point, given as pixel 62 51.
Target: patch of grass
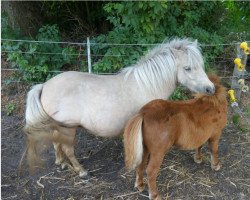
pixel 10 107
pixel 248 110
pixel 236 119
pixel 179 94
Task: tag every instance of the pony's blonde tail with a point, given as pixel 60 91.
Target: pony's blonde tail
pixel 39 128
pixel 133 142
pixel 35 114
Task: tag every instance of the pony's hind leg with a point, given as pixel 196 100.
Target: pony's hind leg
pixel 197 155
pixel 68 149
pixel 139 183
pixel 152 170
pixel 213 145
pixel 58 153
pixel 58 149
pixel 69 152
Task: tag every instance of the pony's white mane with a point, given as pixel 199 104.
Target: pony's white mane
pixel 158 68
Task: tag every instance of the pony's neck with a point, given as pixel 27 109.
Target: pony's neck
pixel 156 77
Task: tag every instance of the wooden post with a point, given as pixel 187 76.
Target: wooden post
pixel 89 56
pixel 238 74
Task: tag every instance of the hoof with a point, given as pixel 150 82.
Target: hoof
pixel 140 187
pixel 216 167
pixel 64 166
pixel 58 162
pixel 198 161
pixel 157 197
pixel 83 173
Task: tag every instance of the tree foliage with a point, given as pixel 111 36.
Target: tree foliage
pixel 152 22
pixel 37 61
pixel 136 22
pixel 76 19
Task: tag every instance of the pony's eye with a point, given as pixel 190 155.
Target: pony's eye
pixel 187 68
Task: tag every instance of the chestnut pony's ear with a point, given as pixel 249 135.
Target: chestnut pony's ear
pixel 214 78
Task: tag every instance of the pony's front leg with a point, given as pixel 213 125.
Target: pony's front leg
pixel 197 155
pixel 152 170
pixel 139 183
pixel 213 145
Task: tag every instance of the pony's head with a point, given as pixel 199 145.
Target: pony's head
pixel 190 66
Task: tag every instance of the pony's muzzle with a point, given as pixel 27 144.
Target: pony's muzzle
pixel 210 90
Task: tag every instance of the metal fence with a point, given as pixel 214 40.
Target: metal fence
pixel 89 58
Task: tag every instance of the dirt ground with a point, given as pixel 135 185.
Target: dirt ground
pixel 179 178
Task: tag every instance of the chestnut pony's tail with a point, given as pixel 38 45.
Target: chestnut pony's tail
pixel 133 142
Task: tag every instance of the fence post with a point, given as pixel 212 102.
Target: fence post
pixel 237 74
pixel 89 56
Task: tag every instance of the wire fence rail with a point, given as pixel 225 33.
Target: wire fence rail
pixel 93 55
pixel 89 55
pixel 109 44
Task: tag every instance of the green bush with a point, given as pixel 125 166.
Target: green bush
pixel 6 30
pixel 37 62
pixel 146 22
pixel 179 94
pixel 152 22
pixel 134 22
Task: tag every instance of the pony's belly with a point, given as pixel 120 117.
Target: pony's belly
pixel 108 121
pixel 104 128
pixel 189 146
pixel 191 142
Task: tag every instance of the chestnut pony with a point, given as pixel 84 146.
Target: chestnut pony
pixel 161 124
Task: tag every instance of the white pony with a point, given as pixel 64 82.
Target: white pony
pixel 102 104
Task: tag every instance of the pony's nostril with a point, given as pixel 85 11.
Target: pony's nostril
pixel 209 90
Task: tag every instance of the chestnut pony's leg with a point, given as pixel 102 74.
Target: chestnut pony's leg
pixel 213 144
pixel 197 155
pixel 152 170
pixel 139 184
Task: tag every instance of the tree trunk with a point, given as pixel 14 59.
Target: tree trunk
pixel 25 15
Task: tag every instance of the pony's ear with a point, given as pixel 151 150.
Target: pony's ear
pixel 196 42
pixel 176 53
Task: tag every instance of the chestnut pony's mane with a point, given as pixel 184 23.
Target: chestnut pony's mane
pixel 218 97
